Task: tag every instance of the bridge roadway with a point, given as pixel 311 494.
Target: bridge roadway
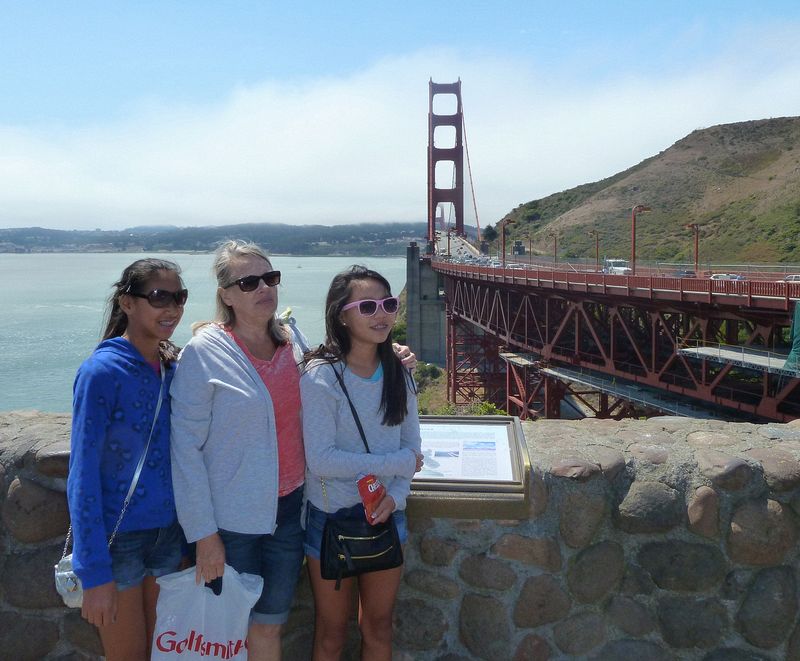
pixel 620 328
pixel 756 294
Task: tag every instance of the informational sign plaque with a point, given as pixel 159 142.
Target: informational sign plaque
pixel 456 451
pixel 475 466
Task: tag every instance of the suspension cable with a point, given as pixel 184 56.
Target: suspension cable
pixel 469 170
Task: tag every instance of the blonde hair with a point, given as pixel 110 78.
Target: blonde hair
pixel 224 257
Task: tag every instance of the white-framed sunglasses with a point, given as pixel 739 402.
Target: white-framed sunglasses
pixel 367 307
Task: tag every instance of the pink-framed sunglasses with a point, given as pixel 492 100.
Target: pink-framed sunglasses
pixel 369 306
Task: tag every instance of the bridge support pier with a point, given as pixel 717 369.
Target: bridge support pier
pixel 425 326
pixel 475 371
pixel 524 384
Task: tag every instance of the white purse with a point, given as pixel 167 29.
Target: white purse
pixel 68 585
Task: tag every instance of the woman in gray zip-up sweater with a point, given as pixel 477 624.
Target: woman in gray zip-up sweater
pixel 237 441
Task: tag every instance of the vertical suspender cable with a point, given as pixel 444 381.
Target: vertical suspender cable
pixel 469 170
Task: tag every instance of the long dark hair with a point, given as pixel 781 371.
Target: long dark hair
pixel 134 279
pixel 394 397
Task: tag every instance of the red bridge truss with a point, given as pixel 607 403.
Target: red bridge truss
pixel 618 345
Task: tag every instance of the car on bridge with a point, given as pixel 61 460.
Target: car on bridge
pixel 684 273
pixel 793 277
pixel 616 267
pixel 727 276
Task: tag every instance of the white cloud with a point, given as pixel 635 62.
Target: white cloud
pixel 353 149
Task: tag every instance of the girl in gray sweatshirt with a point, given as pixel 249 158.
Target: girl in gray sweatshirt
pixel 360 314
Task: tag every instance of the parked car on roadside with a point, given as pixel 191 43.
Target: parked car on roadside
pixel 727 276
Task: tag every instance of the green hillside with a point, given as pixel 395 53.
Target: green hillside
pixel 739 182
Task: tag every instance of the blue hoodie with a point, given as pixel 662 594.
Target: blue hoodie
pixel 114 399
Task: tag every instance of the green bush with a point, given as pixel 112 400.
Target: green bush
pixel 484 408
pixel 476 408
pixel 428 371
pixel 399 332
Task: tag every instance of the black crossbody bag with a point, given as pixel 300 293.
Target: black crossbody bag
pixel 350 544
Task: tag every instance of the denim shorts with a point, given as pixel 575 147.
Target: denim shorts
pixel 277 558
pixel 315 523
pixel 140 553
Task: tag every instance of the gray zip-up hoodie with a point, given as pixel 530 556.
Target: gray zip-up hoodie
pixel 224 444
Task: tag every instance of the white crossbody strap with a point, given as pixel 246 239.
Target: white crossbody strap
pixel 140 465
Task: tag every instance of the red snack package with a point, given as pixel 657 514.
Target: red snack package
pixel 372 492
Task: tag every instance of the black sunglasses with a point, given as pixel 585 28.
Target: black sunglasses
pixel 163 298
pixel 250 282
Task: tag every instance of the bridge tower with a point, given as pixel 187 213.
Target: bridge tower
pixel 454 153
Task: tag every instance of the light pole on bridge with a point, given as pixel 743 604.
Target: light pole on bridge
pixel 696 230
pixel 639 208
pixel 555 248
pixel 503 223
pixel 451 232
pixel 596 236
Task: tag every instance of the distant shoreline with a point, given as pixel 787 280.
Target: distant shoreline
pixel 388 239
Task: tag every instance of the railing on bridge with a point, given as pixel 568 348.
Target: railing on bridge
pixel 768 294
pixel 744 356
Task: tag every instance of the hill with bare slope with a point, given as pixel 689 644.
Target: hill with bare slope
pixel 739 182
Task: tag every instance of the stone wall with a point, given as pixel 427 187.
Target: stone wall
pixel 669 538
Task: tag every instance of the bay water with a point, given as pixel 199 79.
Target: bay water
pixel 52 307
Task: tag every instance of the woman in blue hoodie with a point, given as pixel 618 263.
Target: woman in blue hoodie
pixel 115 407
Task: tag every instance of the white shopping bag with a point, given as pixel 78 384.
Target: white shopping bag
pixel 194 623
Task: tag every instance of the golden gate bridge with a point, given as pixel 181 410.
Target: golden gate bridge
pixel 537 339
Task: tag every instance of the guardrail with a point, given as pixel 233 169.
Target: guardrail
pixel 764 293
pixel 772 272
pixel 745 355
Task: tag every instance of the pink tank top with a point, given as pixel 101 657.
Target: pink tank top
pixel 282 379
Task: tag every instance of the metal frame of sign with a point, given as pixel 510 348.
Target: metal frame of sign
pixel 477 498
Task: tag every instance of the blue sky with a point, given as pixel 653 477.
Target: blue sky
pixel 196 113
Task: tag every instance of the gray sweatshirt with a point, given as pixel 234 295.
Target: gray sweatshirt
pixel 224 445
pixel 335 452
